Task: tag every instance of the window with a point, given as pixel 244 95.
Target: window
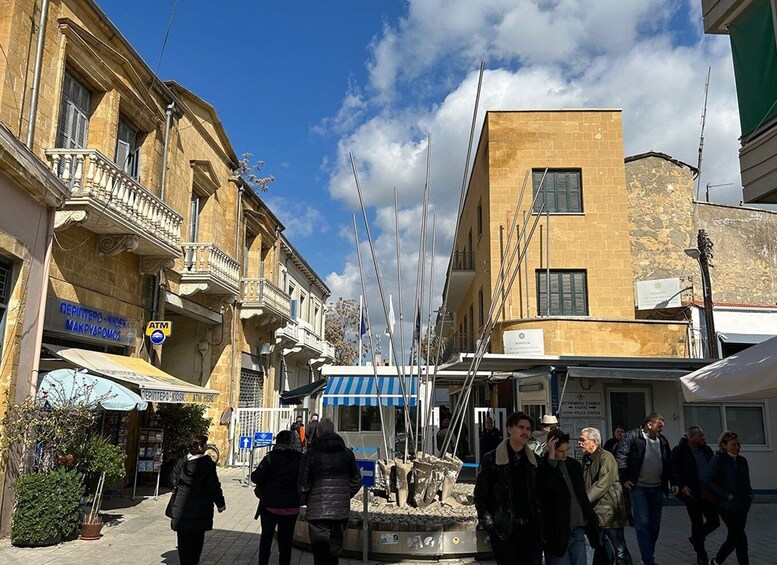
pixel 128 150
pixel 746 420
pixel 358 419
pixel 5 297
pixel 480 219
pixel 251 389
pixel 481 307
pixel 302 297
pixel 562 190
pixel 74 114
pixel 194 219
pixel 568 293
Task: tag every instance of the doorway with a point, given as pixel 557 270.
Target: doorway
pixel 628 407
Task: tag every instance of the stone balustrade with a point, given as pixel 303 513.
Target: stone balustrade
pixel 91 175
pixel 205 260
pixel 261 293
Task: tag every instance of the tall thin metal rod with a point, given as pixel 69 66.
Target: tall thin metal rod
pixel 480 351
pixel 429 389
pixel 369 335
pixel 547 252
pixel 379 280
pixel 701 135
pixel 462 198
pixel 457 418
pixel 526 273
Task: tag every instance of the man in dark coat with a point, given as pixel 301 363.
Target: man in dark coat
pixel 643 464
pixel 276 478
pixel 329 477
pixel 507 497
pixel 198 490
pixel 569 522
pixel 310 434
pixel 689 466
pixel 490 437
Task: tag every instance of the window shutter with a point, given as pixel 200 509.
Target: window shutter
pixel 122 154
pixel 536 179
pixel 573 193
pixel 561 192
pixel 5 282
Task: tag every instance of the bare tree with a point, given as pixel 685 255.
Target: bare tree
pixel 250 174
pixel 433 343
pixel 342 330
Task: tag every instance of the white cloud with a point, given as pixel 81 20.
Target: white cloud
pixel 299 219
pixel 544 54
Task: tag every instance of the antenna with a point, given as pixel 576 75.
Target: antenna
pixel 701 136
pixel 713 186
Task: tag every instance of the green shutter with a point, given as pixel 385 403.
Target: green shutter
pixel 755 65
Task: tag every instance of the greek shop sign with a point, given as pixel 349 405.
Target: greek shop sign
pixel 177 396
pixel 71 319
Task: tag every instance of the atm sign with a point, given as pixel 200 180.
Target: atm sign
pixel 164 326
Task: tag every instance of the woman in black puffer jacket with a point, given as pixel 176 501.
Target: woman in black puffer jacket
pixel 329 477
pixel 199 490
pixel 276 476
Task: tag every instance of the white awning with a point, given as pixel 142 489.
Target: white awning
pixel 748 375
pixel 628 374
pixel 155 385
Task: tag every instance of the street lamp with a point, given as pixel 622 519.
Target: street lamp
pixel 703 253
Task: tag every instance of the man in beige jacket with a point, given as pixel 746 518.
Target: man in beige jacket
pixel 600 475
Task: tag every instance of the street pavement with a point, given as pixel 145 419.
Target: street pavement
pixel 137 532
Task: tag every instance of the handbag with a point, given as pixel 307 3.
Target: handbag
pixel 171 503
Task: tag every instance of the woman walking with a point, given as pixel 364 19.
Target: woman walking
pixel 276 479
pixel 728 477
pixel 198 490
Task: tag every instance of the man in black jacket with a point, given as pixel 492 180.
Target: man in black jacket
pixel 507 497
pixel 689 464
pixel 329 477
pixel 643 464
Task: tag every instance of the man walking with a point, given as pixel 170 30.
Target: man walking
pixel 643 462
pixel 689 465
pixel 507 499
pixel 600 476
pixel 310 434
pixel 329 477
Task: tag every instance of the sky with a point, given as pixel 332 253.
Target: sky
pixel 302 85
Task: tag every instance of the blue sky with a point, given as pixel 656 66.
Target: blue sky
pixel 302 84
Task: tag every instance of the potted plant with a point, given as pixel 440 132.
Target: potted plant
pixel 98 461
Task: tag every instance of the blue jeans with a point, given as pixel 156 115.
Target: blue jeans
pixel 575 554
pixel 646 503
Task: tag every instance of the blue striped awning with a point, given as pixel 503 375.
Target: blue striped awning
pixel 361 391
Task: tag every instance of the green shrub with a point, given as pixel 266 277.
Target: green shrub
pixel 179 423
pixel 48 507
pixel 95 456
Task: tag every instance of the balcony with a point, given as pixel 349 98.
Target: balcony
pixel 459 343
pixel 208 269
pixel 462 275
pixel 264 301
pixel 758 165
pixel 107 201
pixel 300 342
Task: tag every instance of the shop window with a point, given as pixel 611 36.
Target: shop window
pixel 74 114
pixel 568 293
pixel 358 419
pixel 747 421
pixel 5 297
pixel 128 149
pixel 562 191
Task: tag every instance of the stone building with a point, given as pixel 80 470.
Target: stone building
pixel 153 222
pixel 665 220
pixel 578 350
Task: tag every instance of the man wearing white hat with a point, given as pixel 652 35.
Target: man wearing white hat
pixel 539 438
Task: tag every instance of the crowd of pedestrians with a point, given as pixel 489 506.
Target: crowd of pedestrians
pixel 533 499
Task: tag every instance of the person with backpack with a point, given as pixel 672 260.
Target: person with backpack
pixel 276 487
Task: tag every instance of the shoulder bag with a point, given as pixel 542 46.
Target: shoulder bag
pixel 171 502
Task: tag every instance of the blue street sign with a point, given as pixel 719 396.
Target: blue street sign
pixel 262 439
pixel 157 337
pixel 367 468
pixel 245 442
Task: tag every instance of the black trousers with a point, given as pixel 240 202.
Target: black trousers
pixel 190 547
pixel 521 548
pixel 326 537
pixel 704 521
pixel 285 525
pixel 736 539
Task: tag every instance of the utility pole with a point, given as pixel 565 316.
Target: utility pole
pixel 705 254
